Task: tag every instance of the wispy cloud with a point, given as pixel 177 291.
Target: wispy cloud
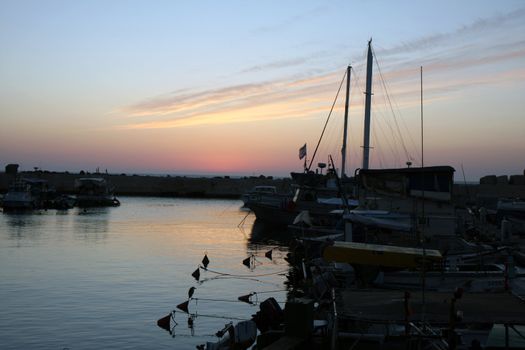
pixel 305 15
pixel 454 55
pixel 234 104
pixel 276 65
pixel 490 25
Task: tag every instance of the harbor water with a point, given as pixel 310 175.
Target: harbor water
pixel 102 277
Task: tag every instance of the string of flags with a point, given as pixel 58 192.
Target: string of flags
pixel 169 323
pixel 251 262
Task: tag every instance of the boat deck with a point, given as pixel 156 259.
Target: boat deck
pixel 388 306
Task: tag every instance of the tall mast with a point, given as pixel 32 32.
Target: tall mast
pixel 368 102
pixel 345 131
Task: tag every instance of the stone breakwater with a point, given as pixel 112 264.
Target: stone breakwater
pixel 486 193
pixel 144 185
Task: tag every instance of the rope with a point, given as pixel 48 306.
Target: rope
pixel 327 119
pixel 219 277
pixel 174 335
pixel 221 300
pixel 244 219
pixel 220 316
pixel 252 294
pixel 242 276
pixel 271 291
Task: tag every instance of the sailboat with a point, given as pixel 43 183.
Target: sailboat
pixel 407 207
pixel 388 197
pixel 312 192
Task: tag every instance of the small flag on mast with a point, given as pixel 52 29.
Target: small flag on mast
pixel 302 152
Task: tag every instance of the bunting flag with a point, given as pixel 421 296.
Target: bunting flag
pixel 196 274
pixel 302 152
pixel 245 298
pixel 247 262
pixel 268 254
pixel 183 306
pixel 205 261
pixel 190 292
pixel 164 323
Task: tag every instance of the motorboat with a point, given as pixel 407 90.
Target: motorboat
pixel 25 194
pixel 260 193
pixel 95 192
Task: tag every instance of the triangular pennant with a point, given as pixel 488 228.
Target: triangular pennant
pixel 247 262
pixel 183 306
pixel 196 274
pixel 164 322
pixel 205 261
pixel 246 298
pixel 268 254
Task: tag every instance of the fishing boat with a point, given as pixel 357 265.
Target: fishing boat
pixel 95 192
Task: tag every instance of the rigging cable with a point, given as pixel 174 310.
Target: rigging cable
pixel 391 107
pixel 390 141
pixel 386 126
pixel 327 119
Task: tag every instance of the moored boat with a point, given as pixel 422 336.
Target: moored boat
pixel 259 193
pixel 25 194
pixel 95 192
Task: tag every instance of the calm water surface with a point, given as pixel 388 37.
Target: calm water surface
pixel 101 278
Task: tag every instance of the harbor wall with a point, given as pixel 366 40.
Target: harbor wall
pixel 486 193
pixel 144 185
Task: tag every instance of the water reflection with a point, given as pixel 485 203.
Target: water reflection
pixel 91 224
pixel 23 225
pixel 141 271
pixel 262 233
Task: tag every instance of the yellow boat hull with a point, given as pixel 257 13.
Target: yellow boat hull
pixel 381 255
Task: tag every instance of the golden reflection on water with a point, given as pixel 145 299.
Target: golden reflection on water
pixel 101 277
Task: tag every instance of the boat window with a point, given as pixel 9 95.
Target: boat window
pixel 429 182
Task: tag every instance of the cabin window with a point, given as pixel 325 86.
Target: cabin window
pixel 429 182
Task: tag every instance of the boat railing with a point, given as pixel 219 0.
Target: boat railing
pixel 428 332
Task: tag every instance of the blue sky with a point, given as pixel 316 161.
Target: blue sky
pixel 236 87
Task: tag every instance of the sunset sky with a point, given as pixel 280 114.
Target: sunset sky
pixel 237 87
